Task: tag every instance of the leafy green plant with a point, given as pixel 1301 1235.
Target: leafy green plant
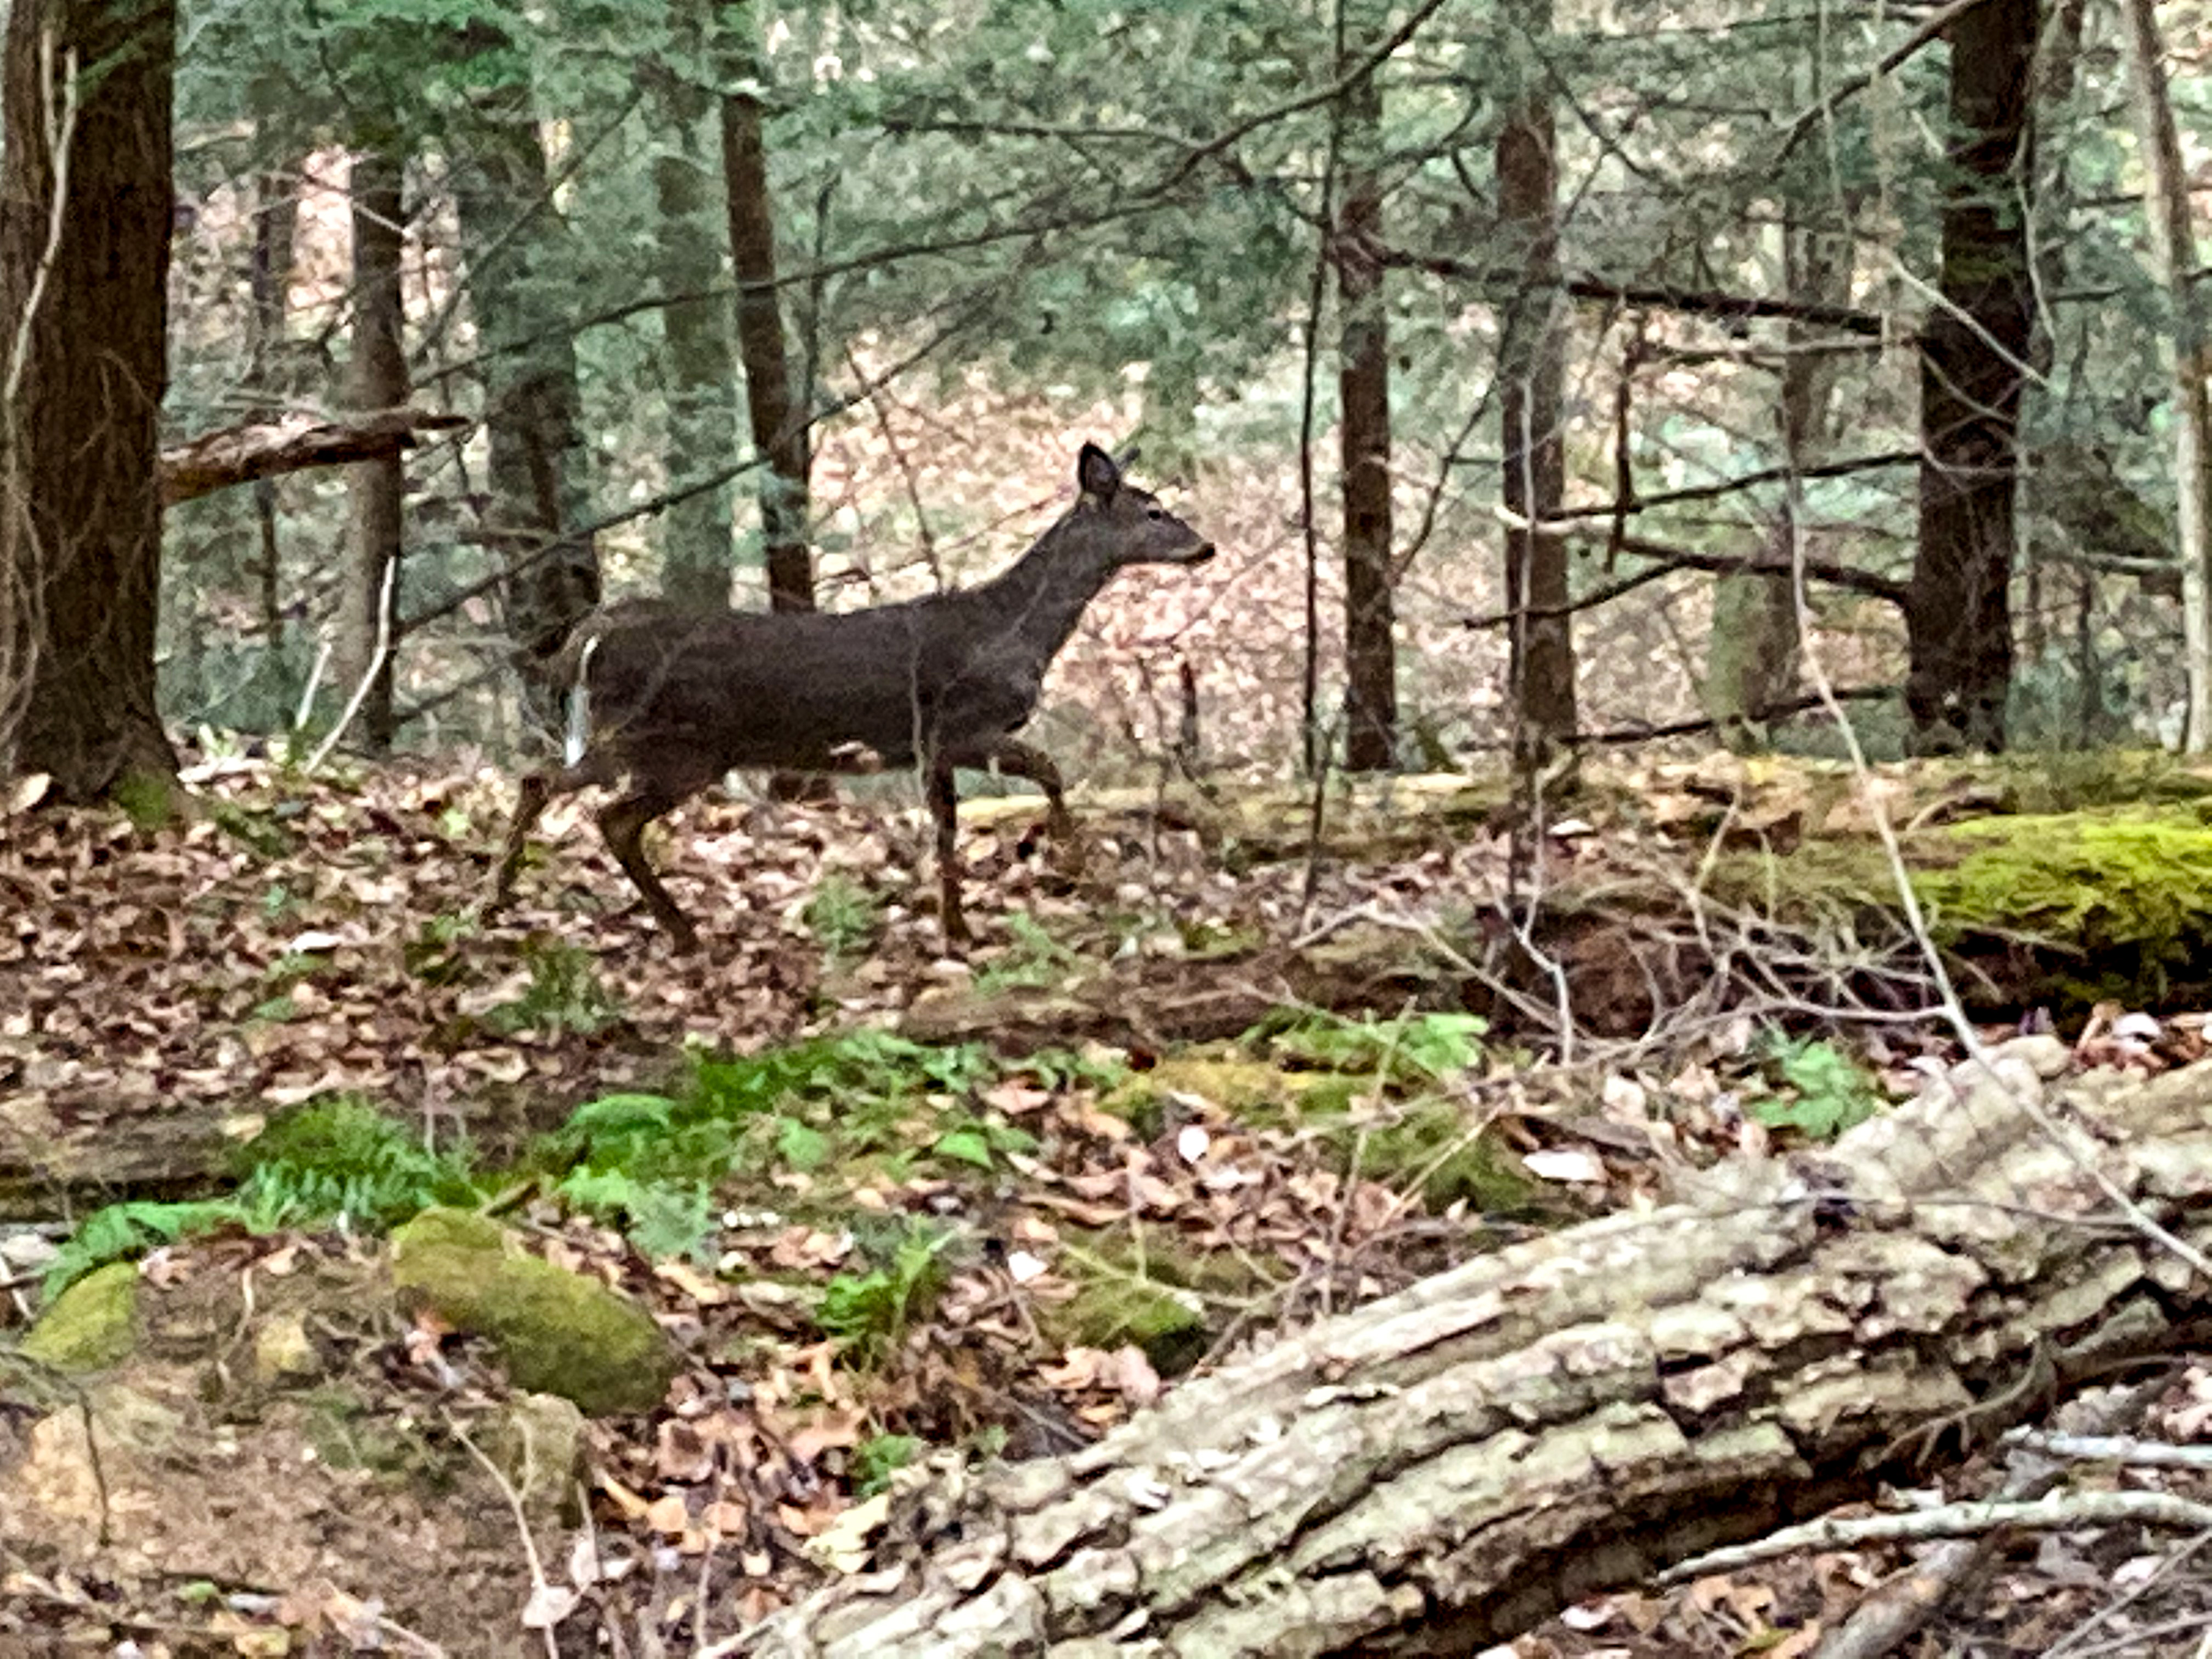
pixel 869 1312
pixel 1067 1068
pixel 982 1142
pixel 1036 958
pixel 1429 1046
pixel 565 993
pixel 343 1158
pixel 879 1457
pixel 667 1219
pixel 120 1232
pixel 843 914
pixel 1828 1090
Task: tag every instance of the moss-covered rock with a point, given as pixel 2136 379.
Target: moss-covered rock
pixel 557 1332
pixel 92 1325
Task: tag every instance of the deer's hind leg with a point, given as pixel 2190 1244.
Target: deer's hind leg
pixel 622 823
pixel 537 791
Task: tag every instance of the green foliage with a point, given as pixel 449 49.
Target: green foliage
pixel 565 993
pixel 980 1142
pixel 879 1457
pixel 1828 1091
pixel 869 1312
pixel 1427 1046
pixel 343 1158
pixel 121 1232
pixel 843 914
pixel 1036 958
pixel 663 1219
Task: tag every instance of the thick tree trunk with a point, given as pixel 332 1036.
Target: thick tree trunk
pixel 2174 241
pixel 1443 1469
pixel 703 415
pixel 379 383
pixel 513 237
pixel 1974 351
pixel 1541 675
pixel 83 365
pixel 779 425
pixel 1371 657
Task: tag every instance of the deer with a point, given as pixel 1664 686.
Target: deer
pixel 665 699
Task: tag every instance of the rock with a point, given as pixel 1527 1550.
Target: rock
pixel 92 1325
pixel 284 1352
pixel 556 1332
pixel 540 1448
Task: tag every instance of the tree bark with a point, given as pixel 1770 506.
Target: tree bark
pixel 1541 674
pixel 513 237
pixel 702 417
pixel 1754 651
pixel 1974 353
pixel 379 383
pixel 1371 658
pixel 83 367
pixel 1443 1469
pixel 276 213
pixel 779 425
pixel 2174 246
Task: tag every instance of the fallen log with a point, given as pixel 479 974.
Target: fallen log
pixel 1444 1468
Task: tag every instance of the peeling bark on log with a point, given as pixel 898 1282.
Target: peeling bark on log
pixel 267 449
pixel 1443 1469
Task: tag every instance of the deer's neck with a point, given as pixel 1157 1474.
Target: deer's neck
pixel 1038 602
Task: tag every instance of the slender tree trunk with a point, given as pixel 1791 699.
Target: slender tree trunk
pixel 83 365
pixel 779 426
pixel 703 415
pixel 379 381
pixel 276 213
pixel 1974 350
pixel 1370 661
pixel 514 241
pixel 2173 245
pixel 1754 652
pixel 1541 673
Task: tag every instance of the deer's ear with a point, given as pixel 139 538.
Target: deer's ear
pixel 1095 475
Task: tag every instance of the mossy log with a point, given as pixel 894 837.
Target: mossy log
pixel 1444 1468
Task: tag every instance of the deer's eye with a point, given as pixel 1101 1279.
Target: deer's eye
pixel 1155 513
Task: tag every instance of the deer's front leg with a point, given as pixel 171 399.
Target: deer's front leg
pixel 1017 759
pixel 945 810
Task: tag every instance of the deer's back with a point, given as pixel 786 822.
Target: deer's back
pixel 728 689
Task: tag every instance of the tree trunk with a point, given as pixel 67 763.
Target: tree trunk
pixel 702 416
pixel 1371 659
pixel 83 365
pixel 275 214
pixel 1443 1469
pixel 1755 649
pixel 513 237
pixel 1541 675
pixel 779 426
pixel 1974 351
pixel 378 382
pixel 2173 245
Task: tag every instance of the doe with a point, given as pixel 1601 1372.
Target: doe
pixel 676 697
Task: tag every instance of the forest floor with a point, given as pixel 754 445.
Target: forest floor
pixel 888 1202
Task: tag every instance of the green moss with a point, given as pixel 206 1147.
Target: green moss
pixel 2115 895
pixel 91 1326
pixel 1149 1304
pixel 557 1332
